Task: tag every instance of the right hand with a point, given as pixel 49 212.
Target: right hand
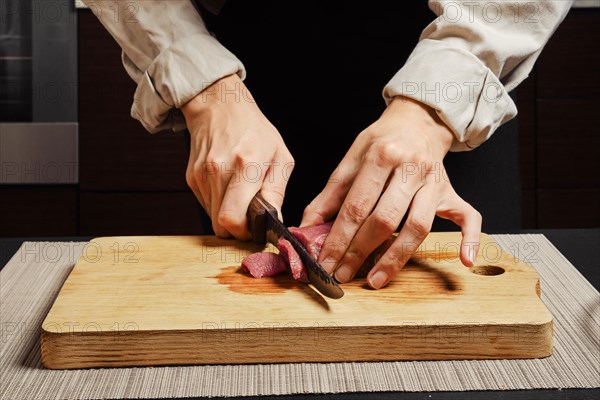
pixel 235 153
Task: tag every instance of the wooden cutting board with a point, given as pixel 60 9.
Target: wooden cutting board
pixel 144 301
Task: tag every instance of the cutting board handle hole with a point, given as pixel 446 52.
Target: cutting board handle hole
pixel 487 270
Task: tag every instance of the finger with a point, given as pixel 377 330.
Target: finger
pixel 215 184
pixel 378 227
pixel 191 181
pixel 201 200
pixel 216 202
pixel 469 219
pixel 357 206
pixel 208 176
pixel 205 174
pixel 204 196
pixel 415 230
pixel 276 180
pixel 190 178
pixel 243 186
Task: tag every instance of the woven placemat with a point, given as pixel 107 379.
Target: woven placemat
pixel 31 280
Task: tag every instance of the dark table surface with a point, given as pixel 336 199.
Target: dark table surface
pixel 580 246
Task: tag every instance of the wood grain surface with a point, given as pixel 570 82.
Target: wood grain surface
pixel 146 301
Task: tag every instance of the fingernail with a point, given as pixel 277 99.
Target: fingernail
pixel 472 255
pixel 343 274
pixel 328 263
pixel 378 279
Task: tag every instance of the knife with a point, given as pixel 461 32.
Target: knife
pixel 265 227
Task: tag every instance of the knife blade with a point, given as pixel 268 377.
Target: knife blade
pixel 265 226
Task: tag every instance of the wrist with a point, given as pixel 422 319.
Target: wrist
pixel 223 91
pixel 431 127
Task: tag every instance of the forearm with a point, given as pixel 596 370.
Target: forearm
pixel 168 51
pixel 470 57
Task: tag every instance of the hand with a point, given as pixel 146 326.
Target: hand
pixel 393 167
pixel 235 153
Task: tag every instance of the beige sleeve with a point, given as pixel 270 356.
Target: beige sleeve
pixel 470 56
pixel 168 51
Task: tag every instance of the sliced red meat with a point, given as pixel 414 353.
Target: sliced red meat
pixel 293 259
pixel 264 264
pixel 313 237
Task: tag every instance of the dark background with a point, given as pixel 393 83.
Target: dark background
pixel 317 70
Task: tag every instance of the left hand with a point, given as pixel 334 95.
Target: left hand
pixel 393 167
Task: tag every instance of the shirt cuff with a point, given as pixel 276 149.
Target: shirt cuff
pixel 177 75
pixel 465 93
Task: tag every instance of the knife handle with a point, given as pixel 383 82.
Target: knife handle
pixel 257 218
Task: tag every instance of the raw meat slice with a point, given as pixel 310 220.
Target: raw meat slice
pixel 293 259
pixel 264 264
pixel 313 237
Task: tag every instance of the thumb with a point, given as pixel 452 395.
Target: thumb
pixel 311 216
pixel 323 207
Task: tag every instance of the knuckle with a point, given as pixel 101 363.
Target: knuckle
pixel 419 159
pixel 189 179
pixel 391 262
pixel 210 166
pixel 404 191
pixel 355 256
pixel 411 156
pixel 386 220
pixel 241 159
pixel 419 226
pixel 289 160
pixel 288 167
pixel 392 258
pixel 278 191
pixel 477 216
pixel 383 153
pixel 340 177
pixel 426 163
pixel 212 160
pixel 356 210
pixel 334 248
